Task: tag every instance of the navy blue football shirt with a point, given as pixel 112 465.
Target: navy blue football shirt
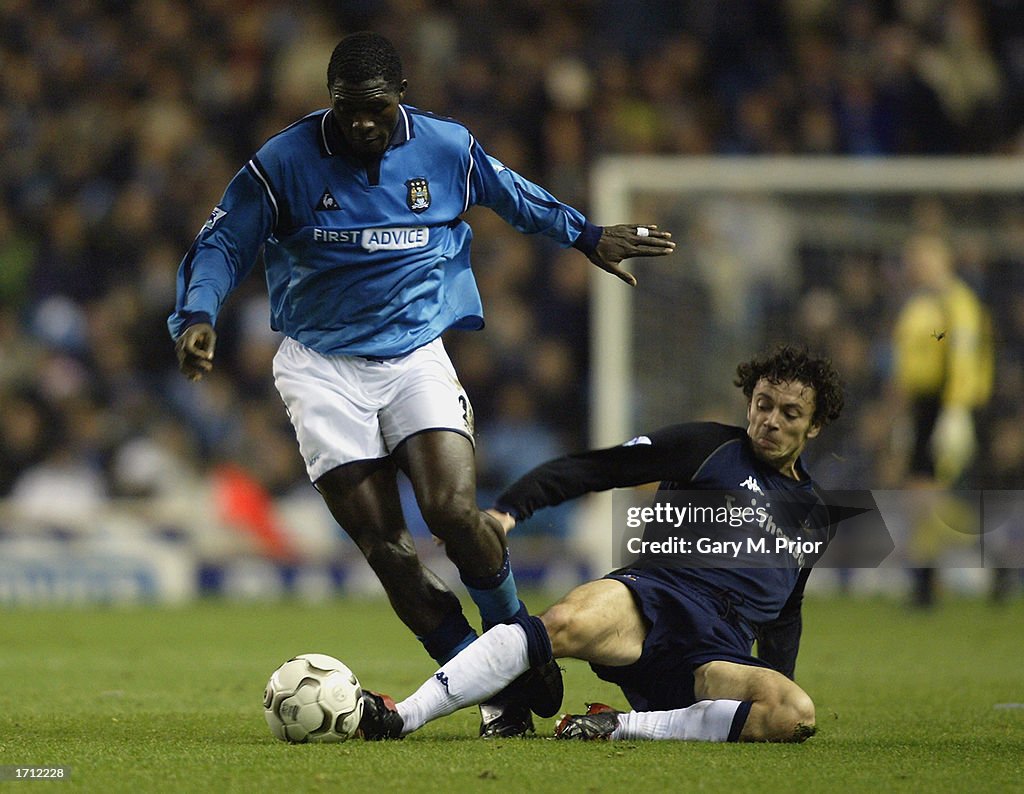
pixel 697 457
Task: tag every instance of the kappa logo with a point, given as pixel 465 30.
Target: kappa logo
pixel 751 484
pixel 327 203
pixel 443 679
pixel 418 197
pixel 215 216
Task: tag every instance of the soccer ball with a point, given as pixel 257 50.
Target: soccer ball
pixel 313 698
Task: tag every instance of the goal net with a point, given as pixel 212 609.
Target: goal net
pixel 766 250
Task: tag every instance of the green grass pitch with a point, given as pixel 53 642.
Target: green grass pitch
pixel 170 700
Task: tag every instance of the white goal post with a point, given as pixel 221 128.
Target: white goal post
pixel 630 188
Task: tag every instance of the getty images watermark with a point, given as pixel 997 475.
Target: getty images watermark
pixel 708 532
pixel 842 529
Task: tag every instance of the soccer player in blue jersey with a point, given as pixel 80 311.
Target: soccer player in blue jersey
pixel 677 639
pixel 357 209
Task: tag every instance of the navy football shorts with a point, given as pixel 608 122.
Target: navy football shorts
pixel 688 627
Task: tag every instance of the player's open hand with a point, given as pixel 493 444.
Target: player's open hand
pixel 195 350
pixel 624 241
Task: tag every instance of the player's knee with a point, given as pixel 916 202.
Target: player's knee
pixel 449 514
pixel 805 717
pixel 386 548
pixel 392 556
pixel 793 720
pixel 562 624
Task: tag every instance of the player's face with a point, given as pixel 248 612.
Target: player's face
pixel 366 113
pixel 779 422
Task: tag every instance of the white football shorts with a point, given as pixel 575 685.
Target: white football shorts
pixel 349 408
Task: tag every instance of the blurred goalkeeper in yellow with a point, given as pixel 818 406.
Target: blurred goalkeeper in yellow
pixel 944 362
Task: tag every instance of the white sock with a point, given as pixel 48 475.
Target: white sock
pixel 707 721
pixel 483 668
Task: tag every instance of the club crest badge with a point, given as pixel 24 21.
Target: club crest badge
pixel 418 197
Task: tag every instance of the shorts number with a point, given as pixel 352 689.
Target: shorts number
pixel 467 412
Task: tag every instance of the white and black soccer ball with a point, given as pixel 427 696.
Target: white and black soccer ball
pixel 313 698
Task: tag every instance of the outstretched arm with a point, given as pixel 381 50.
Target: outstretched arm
pixel 533 210
pixel 671 454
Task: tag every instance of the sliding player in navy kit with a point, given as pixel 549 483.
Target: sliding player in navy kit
pixel 677 638
pixel 357 211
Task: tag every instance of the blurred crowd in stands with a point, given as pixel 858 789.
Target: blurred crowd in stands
pixel 121 123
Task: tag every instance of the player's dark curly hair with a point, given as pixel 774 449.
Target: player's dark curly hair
pixel 786 363
pixel 365 56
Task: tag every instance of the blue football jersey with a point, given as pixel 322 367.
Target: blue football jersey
pixel 361 259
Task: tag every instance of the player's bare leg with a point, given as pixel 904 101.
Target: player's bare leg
pixel 780 710
pixel 363 498
pixel 442 468
pixel 598 622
